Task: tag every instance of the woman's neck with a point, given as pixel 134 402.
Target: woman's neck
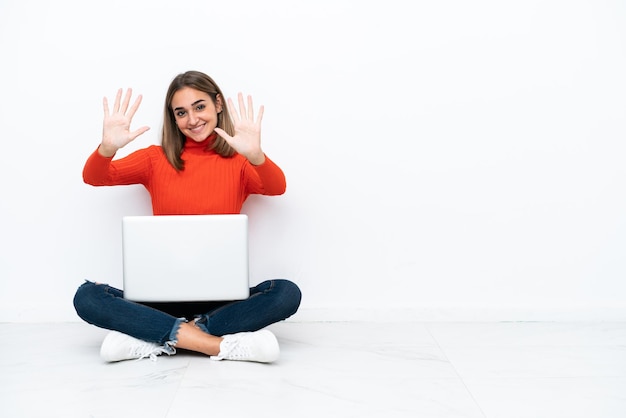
pixel 190 144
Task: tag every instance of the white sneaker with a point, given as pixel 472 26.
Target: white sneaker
pixel 117 347
pixel 260 346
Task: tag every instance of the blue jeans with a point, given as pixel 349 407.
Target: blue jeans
pixel 105 307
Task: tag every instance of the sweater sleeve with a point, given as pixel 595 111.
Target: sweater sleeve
pixel 132 169
pixel 267 179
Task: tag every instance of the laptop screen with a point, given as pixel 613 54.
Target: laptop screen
pixel 185 258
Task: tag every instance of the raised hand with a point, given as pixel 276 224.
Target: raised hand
pixel 247 138
pixel 116 126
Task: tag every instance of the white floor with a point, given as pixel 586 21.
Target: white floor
pixel 352 369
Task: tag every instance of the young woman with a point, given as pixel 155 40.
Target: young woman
pixel 209 162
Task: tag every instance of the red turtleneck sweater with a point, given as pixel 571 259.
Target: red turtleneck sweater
pixel 209 183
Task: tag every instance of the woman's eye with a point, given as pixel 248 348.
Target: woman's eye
pixel 180 113
pixel 200 107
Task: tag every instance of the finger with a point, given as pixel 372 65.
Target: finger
pixel 105 105
pixel 242 106
pixel 118 98
pixel 223 134
pixel 135 106
pixel 250 109
pixel 126 101
pixel 138 132
pixel 231 110
pixel 260 116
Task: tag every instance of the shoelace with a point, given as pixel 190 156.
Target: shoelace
pixel 238 351
pixel 146 350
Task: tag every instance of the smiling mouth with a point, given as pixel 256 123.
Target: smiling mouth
pixel 197 129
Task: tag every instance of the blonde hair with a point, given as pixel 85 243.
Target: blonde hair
pixel 173 139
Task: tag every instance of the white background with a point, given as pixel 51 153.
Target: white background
pixel 445 159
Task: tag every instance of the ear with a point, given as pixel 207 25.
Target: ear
pixel 219 105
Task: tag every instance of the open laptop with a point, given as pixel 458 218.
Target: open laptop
pixel 185 258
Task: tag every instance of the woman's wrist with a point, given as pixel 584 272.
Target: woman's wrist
pixel 257 159
pixel 106 151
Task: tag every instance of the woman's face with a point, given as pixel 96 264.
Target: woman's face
pixel 195 113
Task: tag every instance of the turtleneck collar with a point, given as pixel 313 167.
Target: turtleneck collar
pixel 193 146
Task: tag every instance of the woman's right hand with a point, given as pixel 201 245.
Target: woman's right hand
pixel 116 127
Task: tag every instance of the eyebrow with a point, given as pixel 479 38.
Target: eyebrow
pixel 192 105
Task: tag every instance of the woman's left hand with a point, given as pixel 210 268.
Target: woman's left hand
pixel 247 138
